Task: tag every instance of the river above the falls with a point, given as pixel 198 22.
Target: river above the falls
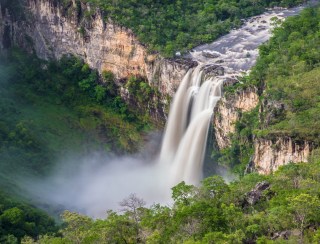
pixel 238 51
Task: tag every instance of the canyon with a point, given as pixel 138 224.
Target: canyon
pixel 50 32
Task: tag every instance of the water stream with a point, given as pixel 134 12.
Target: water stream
pixel 191 112
pixel 188 124
pixel 98 183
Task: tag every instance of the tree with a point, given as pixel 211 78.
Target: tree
pixel 100 93
pixel 77 227
pixel 305 209
pixel 109 81
pixel 214 186
pixel 183 193
pixel 133 207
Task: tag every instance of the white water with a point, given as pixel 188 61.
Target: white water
pixel 186 134
pixel 97 183
pixel 238 51
pixel 187 128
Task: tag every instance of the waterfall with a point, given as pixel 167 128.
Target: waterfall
pixel 99 182
pixel 186 133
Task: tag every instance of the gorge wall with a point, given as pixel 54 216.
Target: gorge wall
pixel 51 31
pixel 270 154
pixel 229 110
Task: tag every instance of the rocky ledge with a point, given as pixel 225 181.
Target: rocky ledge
pixel 269 154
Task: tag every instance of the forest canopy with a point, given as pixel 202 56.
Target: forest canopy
pixel 176 26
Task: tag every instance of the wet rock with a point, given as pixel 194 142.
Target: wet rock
pixel 187 62
pixel 250 167
pixel 230 82
pixel 261 27
pixel 254 196
pixel 210 55
pixel 220 61
pixel 213 70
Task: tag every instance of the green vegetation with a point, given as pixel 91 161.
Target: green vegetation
pixel 18 220
pixel 140 89
pixel 171 26
pixel 238 155
pixel 289 69
pixel 287 211
pixel 51 110
pixel 287 75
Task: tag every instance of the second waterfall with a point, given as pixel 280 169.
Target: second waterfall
pixel 184 143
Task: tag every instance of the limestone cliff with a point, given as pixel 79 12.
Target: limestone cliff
pixel 270 154
pixel 228 111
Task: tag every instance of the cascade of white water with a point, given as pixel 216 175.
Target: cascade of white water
pixel 178 118
pixel 187 128
pixel 97 183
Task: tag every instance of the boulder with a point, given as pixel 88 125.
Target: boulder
pixel 207 54
pixel 252 197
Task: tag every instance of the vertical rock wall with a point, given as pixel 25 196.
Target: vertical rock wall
pixel 270 154
pixel 228 111
pixel 52 31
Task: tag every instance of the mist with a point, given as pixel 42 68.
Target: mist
pixel 98 182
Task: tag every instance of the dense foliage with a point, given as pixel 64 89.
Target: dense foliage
pixel 288 68
pixel 287 75
pixel 172 26
pixel 51 110
pixel 48 106
pixel 18 220
pixel 287 208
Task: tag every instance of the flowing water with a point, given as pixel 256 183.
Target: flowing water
pixel 97 183
pixel 186 134
pixel 188 124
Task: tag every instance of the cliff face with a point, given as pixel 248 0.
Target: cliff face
pixel 51 31
pixel 270 154
pixel 103 45
pixel 228 111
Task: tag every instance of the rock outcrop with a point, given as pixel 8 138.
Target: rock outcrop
pixel 270 154
pixel 229 110
pixel 52 30
pixel 253 197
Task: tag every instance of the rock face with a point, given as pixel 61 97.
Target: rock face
pixel 270 154
pixel 252 197
pixel 52 30
pixel 102 46
pixel 229 110
pixel 166 74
